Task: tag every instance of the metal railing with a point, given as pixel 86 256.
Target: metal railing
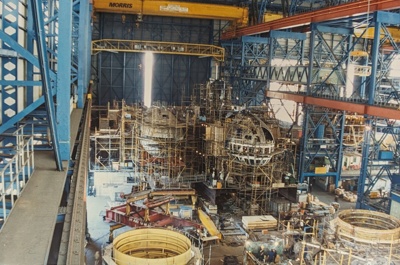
pixel 15 172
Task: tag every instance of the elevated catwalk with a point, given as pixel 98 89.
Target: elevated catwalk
pixel 26 236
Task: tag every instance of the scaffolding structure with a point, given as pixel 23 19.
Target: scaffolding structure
pixel 354 237
pixel 243 148
pixel 158 144
pixel 373 253
pixel 235 147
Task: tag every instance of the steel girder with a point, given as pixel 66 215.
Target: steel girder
pixel 301 6
pixel 158 47
pixel 348 10
pixel 287 58
pixel 291 7
pixel 372 85
pixel 321 144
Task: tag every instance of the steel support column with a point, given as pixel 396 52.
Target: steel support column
pixel 381 139
pixel 321 144
pixel 84 44
pixel 45 74
pixel 247 68
pixel 254 70
pixel 9 70
pixel 231 68
pixel 380 162
pixel 64 77
pixel 30 48
pixel 321 149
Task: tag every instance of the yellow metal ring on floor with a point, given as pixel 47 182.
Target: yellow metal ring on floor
pixel 151 246
pixel 368 226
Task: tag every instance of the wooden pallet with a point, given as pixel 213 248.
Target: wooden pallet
pixel 259 222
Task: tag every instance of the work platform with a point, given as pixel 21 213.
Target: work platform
pixel 27 235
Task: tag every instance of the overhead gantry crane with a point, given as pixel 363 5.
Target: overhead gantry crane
pixel 162 47
pixel 238 15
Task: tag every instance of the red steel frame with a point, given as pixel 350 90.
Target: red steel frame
pixel 137 215
pixel 325 14
pixel 336 104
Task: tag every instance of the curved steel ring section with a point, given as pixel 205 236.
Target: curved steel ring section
pixel 151 246
pixel 368 226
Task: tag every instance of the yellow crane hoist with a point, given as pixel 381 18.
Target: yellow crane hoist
pixel 238 15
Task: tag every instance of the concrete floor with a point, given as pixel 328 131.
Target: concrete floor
pixel 328 198
pixel 213 254
pixel 27 234
pixel 98 229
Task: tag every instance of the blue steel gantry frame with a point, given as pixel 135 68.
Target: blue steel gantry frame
pixel 38 35
pixel 383 50
pixel 321 148
pixel 343 64
pixel 245 67
pixel 248 64
pixel 321 144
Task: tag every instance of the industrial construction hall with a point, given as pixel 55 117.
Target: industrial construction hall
pixel 200 132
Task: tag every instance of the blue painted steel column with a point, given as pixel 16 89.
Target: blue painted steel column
pixel 311 59
pixel 361 200
pixel 45 74
pixel 374 60
pixel 303 143
pixel 340 151
pixel 30 47
pixel 9 95
pixel 372 143
pixel 64 77
pixel 304 138
pixel 364 174
pixel 361 203
pixel 317 149
pixel 84 42
pixel 89 44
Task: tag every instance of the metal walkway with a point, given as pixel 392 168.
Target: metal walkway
pixel 27 235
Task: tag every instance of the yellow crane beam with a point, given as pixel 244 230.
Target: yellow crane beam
pixel 115 45
pixel 209 224
pixel 239 15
